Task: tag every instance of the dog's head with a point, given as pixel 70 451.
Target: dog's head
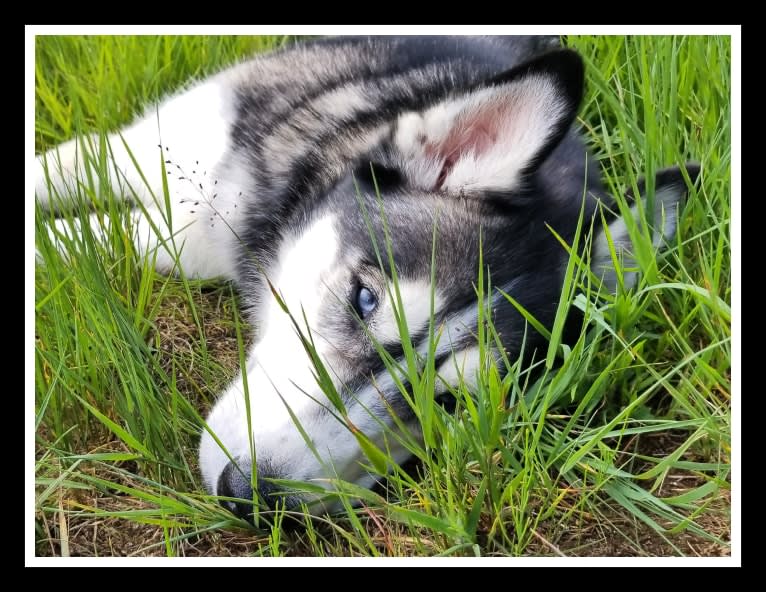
pixel 490 174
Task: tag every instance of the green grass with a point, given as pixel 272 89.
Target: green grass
pixel 623 447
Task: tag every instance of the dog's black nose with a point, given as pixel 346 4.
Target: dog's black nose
pixel 235 482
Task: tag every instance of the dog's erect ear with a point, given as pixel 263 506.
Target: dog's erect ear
pixel 488 137
pixel 669 194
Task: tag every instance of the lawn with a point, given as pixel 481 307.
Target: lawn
pixel 621 448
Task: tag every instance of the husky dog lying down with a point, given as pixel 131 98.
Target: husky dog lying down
pixel 286 173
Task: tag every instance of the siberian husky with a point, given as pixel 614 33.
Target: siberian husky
pixel 289 174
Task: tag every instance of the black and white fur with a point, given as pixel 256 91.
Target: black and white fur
pixel 266 165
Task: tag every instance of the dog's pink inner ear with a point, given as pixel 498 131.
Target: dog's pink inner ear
pixel 485 139
pixel 473 133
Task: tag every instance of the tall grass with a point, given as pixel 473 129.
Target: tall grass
pixel 621 447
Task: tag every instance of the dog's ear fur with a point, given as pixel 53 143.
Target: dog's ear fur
pixel 669 195
pixel 488 137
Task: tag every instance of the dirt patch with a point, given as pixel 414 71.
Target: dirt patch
pixel 188 346
pixel 612 533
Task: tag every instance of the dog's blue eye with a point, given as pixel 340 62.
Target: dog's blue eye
pixel 365 302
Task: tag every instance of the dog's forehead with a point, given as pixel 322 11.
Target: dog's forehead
pixel 410 223
pixel 462 228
